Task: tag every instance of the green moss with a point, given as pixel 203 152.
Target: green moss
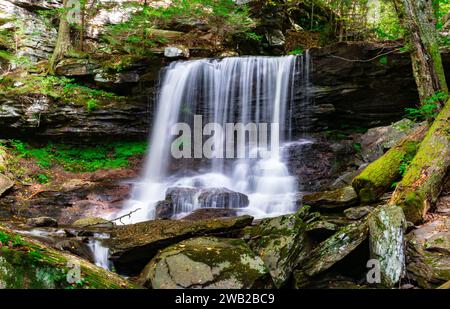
pixel 61 89
pixel 83 158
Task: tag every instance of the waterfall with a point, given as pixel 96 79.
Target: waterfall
pixel 231 90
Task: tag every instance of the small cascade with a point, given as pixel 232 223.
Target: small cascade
pixel 245 90
pixel 100 253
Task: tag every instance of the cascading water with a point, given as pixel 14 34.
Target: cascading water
pixel 232 90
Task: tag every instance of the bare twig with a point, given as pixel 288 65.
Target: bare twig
pixel 365 60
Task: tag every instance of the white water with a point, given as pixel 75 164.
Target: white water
pixel 232 90
pixel 100 253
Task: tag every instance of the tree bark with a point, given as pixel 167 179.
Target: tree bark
pixel 419 19
pixel 379 176
pixel 63 40
pixel 422 183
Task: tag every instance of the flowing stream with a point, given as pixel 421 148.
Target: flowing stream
pixel 231 90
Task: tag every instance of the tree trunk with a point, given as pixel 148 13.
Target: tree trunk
pixel 379 176
pixel 423 180
pixel 419 20
pixel 63 40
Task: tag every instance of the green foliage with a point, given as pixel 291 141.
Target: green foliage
pixel 297 51
pixel 80 159
pixel 429 108
pixel 136 36
pixel 357 147
pixel 383 60
pixel 59 88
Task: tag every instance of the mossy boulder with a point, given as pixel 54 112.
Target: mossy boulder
pixel 206 262
pixel 387 225
pixel 26 263
pixel 91 222
pixel 280 242
pixel 338 198
pixel 133 246
pixel 42 222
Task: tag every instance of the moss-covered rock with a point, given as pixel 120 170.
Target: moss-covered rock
pixel 132 246
pixel 92 221
pixel 27 263
pixel 387 225
pixel 343 197
pixel 206 262
pixel 281 243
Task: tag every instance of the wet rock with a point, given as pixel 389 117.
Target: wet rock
pixel 42 222
pixel 178 200
pixel 222 198
pixel 428 253
pixel 92 221
pixel 76 247
pixel 332 250
pixel 75 67
pixel 176 52
pixel 132 246
pixel 164 210
pixel 5 183
pixel 281 243
pixel 387 225
pixel 211 213
pixel 206 262
pixel 356 213
pixel 117 78
pixel 338 198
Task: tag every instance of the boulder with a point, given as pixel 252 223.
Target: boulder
pixel 29 264
pixel 356 213
pixel 178 51
pixel 428 253
pixel 222 198
pixel 132 246
pixel 376 141
pixel 281 243
pixel 92 221
pixel 211 213
pixel 5 184
pixel 387 225
pixel 42 222
pixel 206 262
pixel 332 250
pixel 339 198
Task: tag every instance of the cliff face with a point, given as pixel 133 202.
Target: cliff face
pixel 352 91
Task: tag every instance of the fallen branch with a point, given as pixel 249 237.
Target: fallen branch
pixel 365 60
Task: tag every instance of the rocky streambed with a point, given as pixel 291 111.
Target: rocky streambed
pixel 333 240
